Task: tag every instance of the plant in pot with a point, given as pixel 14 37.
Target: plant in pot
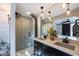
pixel 52 34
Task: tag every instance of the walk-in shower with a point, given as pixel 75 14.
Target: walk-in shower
pixel 24 35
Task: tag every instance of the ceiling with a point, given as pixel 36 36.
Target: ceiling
pixel 5 7
pixel 55 8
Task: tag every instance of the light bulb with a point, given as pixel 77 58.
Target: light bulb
pixel 28 13
pixel 68 12
pixel 49 17
pixel 41 14
pixel 64 4
pixel 8 13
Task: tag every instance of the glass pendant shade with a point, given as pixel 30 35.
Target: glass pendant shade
pixel 68 12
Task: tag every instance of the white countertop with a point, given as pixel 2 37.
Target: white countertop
pixel 51 44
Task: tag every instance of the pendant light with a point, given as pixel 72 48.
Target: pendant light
pixel 28 13
pixel 42 14
pixel 8 14
pixel 49 15
pixel 68 10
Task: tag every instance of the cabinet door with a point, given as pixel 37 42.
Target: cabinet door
pixel 46 50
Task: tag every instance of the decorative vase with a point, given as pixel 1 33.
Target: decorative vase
pixel 51 37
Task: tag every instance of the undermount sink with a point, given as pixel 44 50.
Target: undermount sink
pixel 71 47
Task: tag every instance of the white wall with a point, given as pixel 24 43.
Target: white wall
pixel 4 27
pixel 45 28
pixel 39 26
pixel 12 29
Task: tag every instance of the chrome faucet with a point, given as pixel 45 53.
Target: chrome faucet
pixel 66 40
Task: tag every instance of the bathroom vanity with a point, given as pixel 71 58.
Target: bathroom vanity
pixel 55 48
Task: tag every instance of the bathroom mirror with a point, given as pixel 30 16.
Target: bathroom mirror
pixel 68 27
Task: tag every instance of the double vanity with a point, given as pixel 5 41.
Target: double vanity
pixel 57 48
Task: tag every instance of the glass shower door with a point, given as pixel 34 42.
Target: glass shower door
pixel 24 34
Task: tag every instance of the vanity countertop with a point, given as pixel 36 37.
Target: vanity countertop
pixel 51 43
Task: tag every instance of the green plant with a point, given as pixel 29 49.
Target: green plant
pixel 52 32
